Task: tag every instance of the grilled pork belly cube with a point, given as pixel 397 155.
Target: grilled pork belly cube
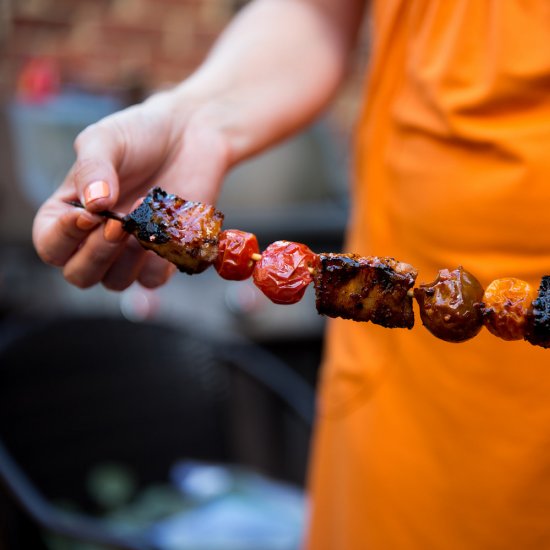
pixel 365 289
pixel 182 232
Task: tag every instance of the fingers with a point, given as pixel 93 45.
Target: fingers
pixel 99 150
pixel 91 252
pixel 190 161
pixel 155 271
pixel 127 267
pixel 94 258
pixel 60 229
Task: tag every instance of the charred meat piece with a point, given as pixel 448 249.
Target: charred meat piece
pixel 365 289
pixel 182 232
pixel 538 323
pixel 451 307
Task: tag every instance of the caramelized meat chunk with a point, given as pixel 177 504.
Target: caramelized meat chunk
pixel 365 289
pixel 182 232
pixel 538 323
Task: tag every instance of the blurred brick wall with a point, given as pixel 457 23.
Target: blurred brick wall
pixel 126 45
pixel 110 44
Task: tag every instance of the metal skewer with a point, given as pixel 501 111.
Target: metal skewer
pixel 104 213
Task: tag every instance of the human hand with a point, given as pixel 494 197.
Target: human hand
pixel 171 140
pixel 271 72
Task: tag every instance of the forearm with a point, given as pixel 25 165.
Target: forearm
pixel 275 68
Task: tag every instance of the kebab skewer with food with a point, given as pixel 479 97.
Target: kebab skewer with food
pixel 454 307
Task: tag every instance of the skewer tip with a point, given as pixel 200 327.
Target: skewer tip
pixel 105 213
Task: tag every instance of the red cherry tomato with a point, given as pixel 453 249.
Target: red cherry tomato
pixel 282 273
pixel 235 249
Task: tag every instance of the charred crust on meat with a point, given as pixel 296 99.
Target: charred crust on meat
pixel 144 223
pixel 183 232
pixel 538 322
pixel 365 289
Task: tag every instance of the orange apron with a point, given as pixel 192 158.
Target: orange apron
pixel 422 444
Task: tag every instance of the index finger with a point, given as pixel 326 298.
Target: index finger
pixel 59 229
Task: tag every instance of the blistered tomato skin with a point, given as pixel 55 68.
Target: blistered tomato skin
pixel 451 307
pixel 235 250
pixel 282 273
pixel 507 303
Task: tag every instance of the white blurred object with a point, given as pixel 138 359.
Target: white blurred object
pixel 202 481
pixel 139 304
pixel 240 510
pixel 243 298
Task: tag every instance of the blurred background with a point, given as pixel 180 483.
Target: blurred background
pixel 195 398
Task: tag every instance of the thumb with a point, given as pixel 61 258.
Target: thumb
pixel 94 174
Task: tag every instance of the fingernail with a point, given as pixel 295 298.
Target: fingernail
pixel 95 191
pixel 85 223
pixel 113 231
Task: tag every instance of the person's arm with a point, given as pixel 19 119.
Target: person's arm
pixel 277 64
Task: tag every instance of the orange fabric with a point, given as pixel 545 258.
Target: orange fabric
pixel 422 444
